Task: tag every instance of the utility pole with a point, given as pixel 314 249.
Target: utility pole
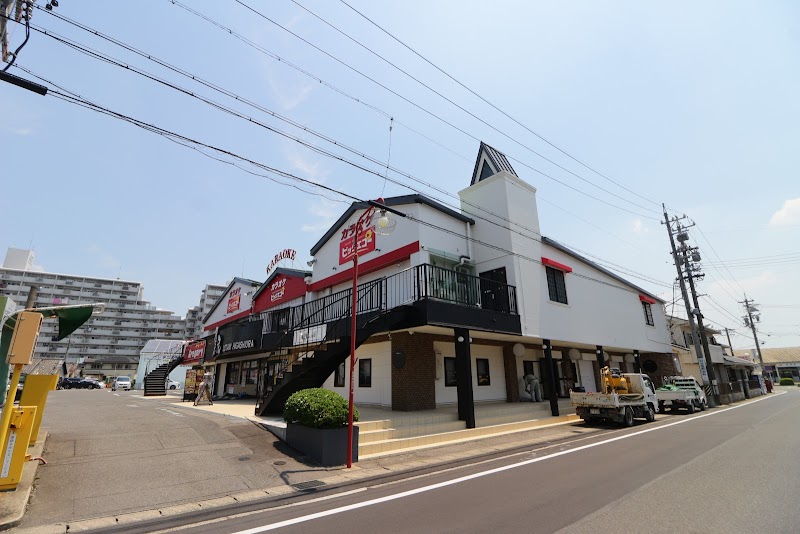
pixel 700 325
pixel 749 307
pixel 703 357
pixel 728 335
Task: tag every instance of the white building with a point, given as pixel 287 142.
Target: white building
pixel 455 307
pixel 116 337
pixel 194 317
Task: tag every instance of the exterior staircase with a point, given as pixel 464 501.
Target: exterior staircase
pixel 154 381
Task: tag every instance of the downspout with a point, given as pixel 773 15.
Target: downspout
pixel 469 244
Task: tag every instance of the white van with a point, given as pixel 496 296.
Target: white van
pixel 121 382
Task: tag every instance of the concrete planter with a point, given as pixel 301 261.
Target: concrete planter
pixel 327 447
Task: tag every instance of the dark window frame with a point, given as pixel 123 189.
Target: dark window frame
pixel 486 379
pixel 648 314
pixel 450 377
pixel 365 378
pixel 556 285
pixel 338 376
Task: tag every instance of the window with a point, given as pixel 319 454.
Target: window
pixel 450 379
pixel 365 373
pixel 338 376
pixel 250 370
pixel 527 367
pixel 233 373
pixel 556 285
pixel 482 370
pixel 648 313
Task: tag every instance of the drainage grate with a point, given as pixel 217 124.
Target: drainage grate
pixel 311 484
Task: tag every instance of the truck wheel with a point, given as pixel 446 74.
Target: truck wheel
pixel 628 420
pixel 661 406
pixel 703 406
pixel 649 415
pixel 690 407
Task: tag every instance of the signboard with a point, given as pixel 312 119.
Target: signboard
pixel 703 371
pixel 358 238
pixel 243 337
pixel 192 382
pixel 359 244
pixel 195 351
pixel 234 299
pixel 312 334
pixel 287 254
pixel 277 290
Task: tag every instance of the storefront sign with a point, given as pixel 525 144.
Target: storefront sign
pixel 192 382
pixel 240 337
pixel 195 351
pixel 234 299
pixel 277 290
pixel 361 244
pixel 358 238
pixel 287 254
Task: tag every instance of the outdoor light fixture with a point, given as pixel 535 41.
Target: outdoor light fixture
pixel 311 262
pixel 383 220
pixel 460 339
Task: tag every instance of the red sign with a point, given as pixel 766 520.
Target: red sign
pixel 234 299
pixel 364 242
pixel 288 254
pixel 194 351
pixel 277 289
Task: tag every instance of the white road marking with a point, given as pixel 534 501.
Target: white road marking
pixel 424 489
pixel 132 405
pixel 172 412
pixel 116 394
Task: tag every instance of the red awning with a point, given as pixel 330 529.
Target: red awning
pixel 647 299
pixel 555 265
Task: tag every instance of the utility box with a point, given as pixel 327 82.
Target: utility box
pixel 15 448
pixel 23 341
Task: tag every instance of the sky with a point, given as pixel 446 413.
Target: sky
pixel 689 104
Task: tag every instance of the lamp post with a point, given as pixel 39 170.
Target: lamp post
pixel 353 317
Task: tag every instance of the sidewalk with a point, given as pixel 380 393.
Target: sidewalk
pixel 174 460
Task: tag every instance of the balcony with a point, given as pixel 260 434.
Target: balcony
pixel 431 295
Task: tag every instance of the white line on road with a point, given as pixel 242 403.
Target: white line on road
pixel 355 506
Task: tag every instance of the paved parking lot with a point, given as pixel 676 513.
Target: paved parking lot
pixel 111 452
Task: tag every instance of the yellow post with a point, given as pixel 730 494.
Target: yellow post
pixel 15 446
pixel 35 394
pixel 9 405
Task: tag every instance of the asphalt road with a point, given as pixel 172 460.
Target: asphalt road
pixel 727 470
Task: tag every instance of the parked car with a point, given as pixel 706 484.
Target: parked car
pixel 172 384
pixel 77 382
pixel 121 382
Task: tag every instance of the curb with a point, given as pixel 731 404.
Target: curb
pixel 14 503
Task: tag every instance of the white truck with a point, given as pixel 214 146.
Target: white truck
pixel 622 398
pixel 681 392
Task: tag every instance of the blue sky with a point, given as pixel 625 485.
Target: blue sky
pixel 691 104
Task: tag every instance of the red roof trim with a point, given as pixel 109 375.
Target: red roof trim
pixel 647 299
pixel 367 267
pixel 555 265
pixel 227 320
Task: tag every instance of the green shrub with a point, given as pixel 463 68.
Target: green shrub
pixel 317 408
pixel 787 381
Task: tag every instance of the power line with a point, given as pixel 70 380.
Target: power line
pixel 429 62
pixel 104 57
pixel 438 117
pixel 82 102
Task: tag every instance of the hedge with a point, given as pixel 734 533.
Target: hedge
pixel 787 381
pixel 317 408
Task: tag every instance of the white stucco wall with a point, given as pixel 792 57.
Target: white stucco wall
pixel 495 391
pixel 606 313
pixel 246 292
pixel 380 393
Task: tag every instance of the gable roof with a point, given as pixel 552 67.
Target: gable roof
pixel 497 160
pixel 615 276
pixel 280 270
pixel 772 355
pixel 391 201
pixel 245 281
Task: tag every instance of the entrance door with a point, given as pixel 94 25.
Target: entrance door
pixel 587 376
pixel 546 373
pixel 494 291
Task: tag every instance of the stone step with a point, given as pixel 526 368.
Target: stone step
pixel 371 449
pixel 370 436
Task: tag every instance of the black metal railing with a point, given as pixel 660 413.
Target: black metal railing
pixel 408 286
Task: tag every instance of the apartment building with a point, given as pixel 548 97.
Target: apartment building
pixel 194 316
pixel 121 332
